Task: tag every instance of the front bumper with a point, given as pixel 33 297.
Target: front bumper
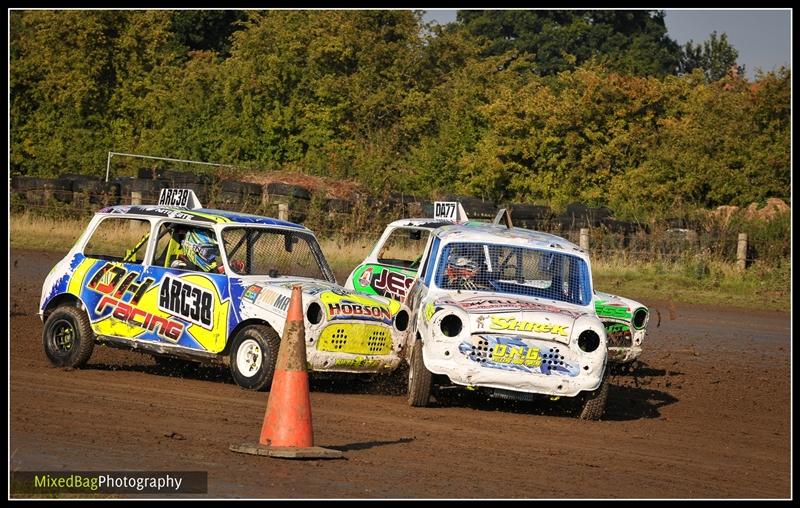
pixel 516 363
pixel 345 346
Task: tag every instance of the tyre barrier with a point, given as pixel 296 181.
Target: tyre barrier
pixel 233 193
pixel 59 189
pixel 338 205
pixel 589 217
pixel 88 190
pixel 25 183
pixel 535 213
pixel 29 189
pixel 91 192
pixel 146 192
pixel 288 190
pixel 179 179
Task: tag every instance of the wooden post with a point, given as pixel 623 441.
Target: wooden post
pixel 136 199
pixel 283 211
pixel 741 252
pixel 584 242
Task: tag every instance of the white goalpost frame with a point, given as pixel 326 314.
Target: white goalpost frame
pixel 111 154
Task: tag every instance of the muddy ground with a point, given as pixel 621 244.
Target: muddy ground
pixel 706 416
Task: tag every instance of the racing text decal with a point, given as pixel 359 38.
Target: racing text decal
pixel 515 354
pixel 383 281
pixel 115 283
pixel 347 309
pixel 354 306
pixel 186 300
pixel 499 323
pixel 518 355
pixel 604 309
pixel 500 304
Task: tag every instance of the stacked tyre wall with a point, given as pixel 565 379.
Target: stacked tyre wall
pixel 362 217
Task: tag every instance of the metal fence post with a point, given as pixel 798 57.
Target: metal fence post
pixel 584 242
pixel 741 252
pixel 283 211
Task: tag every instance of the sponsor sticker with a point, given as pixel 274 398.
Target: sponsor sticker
pixel 499 323
pixel 252 293
pixel 500 304
pixel 275 299
pixel 604 309
pixel 121 293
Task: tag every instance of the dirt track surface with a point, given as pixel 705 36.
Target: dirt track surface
pixel 706 416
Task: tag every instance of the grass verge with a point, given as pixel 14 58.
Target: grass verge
pixel 696 279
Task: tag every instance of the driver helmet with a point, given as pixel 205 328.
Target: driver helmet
pixel 463 264
pixel 201 249
pixel 462 267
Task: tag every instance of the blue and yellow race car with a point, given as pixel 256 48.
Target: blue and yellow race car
pixel 180 281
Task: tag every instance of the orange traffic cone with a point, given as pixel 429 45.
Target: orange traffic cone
pixel 287 431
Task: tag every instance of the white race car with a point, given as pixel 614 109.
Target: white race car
pixel 392 265
pixel 505 310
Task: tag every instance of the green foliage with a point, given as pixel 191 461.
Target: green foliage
pixel 633 42
pixel 547 107
pixel 716 57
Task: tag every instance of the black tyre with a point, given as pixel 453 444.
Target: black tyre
pixel 419 379
pixel 594 402
pixel 68 338
pixel 254 351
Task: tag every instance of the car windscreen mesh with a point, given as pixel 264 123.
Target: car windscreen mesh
pixel 514 270
pixel 273 252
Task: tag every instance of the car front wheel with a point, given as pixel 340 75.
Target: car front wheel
pixel 594 402
pixel 419 379
pixel 68 338
pixel 254 351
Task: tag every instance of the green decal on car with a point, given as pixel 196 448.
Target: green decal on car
pixel 613 311
pixel 382 280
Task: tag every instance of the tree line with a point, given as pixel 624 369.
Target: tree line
pixel 545 107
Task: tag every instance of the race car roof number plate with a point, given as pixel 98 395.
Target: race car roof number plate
pixel 181 198
pixel 449 211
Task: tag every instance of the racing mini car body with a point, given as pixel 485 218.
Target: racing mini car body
pixel 391 267
pixel 210 285
pixel 625 321
pixel 505 310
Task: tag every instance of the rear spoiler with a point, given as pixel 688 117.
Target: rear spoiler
pixel 503 215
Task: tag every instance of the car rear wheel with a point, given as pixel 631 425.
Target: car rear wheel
pixel 594 402
pixel 68 338
pixel 254 351
pixel 419 379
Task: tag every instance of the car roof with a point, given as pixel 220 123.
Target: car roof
pixel 421 223
pixel 482 231
pixel 207 215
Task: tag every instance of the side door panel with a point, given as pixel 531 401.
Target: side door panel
pixel 168 306
pixel 199 301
